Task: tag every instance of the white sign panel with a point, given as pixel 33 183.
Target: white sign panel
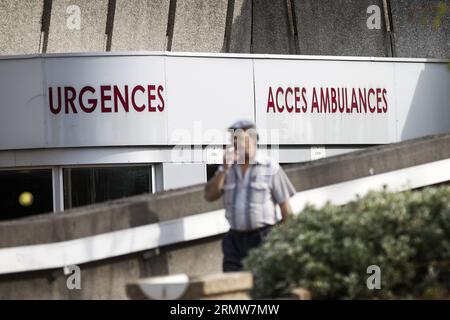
pixel 423 99
pixel 83 100
pixel 98 101
pixel 205 96
pixel 23 112
pixel 332 102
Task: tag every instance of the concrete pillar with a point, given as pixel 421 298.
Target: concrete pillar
pixel 77 26
pixel 272 28
pixel 241 27
pixel 20 26
pixel 341 27
pixel 140 25
pixel 199 25
pixel 421 28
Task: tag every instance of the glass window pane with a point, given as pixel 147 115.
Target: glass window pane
pixel 25 193
pixel 83 186
pixel 211 170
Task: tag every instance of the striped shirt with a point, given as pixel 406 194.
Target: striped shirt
pixel 251 199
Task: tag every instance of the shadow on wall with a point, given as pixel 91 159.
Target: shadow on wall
pixel 425 109
pixel 239 29
pixel 261 26
pixel 310 27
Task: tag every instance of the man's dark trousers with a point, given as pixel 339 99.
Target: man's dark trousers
pixel 236 244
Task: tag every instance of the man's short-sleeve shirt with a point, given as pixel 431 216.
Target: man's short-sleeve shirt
pixel 251 200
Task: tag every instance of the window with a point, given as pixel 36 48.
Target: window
pixel 25 193
pixel 83 186
pixel 211 170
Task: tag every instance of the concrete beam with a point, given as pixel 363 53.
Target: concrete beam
pixel 199 25
pixel 340 27
pixel 272 28
pixel 77 26
pixel 241 27
pixel 20 26
pixel 366 162
pixel 140 25
pixel 421 28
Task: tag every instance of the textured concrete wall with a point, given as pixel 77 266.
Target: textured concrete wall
pixel 64 35
pixel 199 25
pixel 20 26
pixel 107 279
pixel 195 258
pixel 417 31
pixel 339 27
pixel 140 25
pixel 318 27
pixel 241 27
pixel 373 160
pixel 272 28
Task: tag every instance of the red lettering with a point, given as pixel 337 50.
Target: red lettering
pixel 289 109
pixel 109 98
pixel 124 100
pixel 50 100
pixel 315 104
pixel 354 102
pixel 378 100
pixel 385 107
pixel 296 99
pixel 151 97
pixel 69 97
pixel 270 103
pixel 363 100
pixel 347 110
pixel 324 100
pixel 92 102
pixel 160 97
pixel 371 92
pixel 279 90
pixel 305 105
pixel 333 101
pixel 133 98
pixel 104 97
pixel 341 101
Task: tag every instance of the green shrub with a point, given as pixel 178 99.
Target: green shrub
pixel 328 250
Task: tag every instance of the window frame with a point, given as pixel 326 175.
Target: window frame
pixel 107 165
pixel 57 178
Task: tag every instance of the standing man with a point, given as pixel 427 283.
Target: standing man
pixel 253 185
